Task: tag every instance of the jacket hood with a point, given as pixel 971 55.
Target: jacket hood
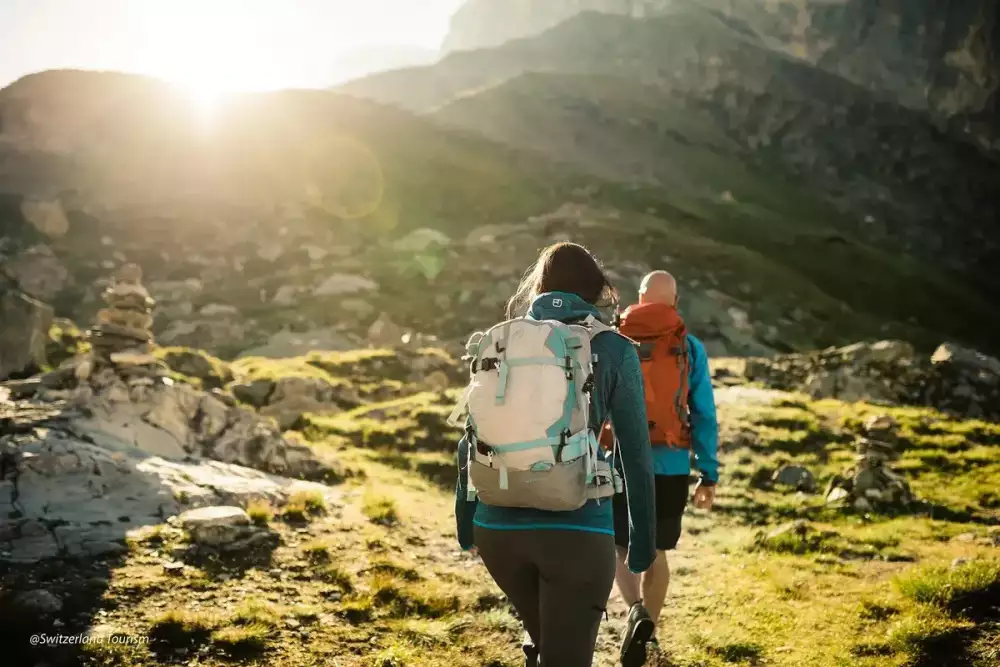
pixel 562 306
pixel 651 320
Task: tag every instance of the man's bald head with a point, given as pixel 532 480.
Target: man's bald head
pixel 658 287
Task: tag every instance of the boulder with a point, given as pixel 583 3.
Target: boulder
pixel 24 332
pixel 343 283
pixel 293 397
pixel 421 240
pixel 212 372
pixel 38 272
pixel 215 526
pixel 48 217
pixel 37 603
pixel 255 392
pixel 285 344
pixel 796 477
pixel 383 332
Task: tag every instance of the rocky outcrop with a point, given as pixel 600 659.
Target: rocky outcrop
pixel 294 397
pixel 954 379
pixel 936 55
pixel 65 493
pixel 108 441
pixel 23 332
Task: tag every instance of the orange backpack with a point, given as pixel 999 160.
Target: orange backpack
pixel 661 336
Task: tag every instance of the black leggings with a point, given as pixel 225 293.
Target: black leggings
pixel 558 581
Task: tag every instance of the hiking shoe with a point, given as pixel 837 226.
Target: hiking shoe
pixel 637 633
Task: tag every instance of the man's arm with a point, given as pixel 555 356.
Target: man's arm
pixel 704 424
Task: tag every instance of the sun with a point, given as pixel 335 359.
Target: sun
pixel 206 100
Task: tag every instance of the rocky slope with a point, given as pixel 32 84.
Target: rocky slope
pixel 699 105
pixel 256 238
pixel 939 56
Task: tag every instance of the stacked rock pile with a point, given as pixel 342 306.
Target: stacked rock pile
pixel 870 483
pixel 122 337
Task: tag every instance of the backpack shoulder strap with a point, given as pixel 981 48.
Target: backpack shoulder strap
pixel 595 326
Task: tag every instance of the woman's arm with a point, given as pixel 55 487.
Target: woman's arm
pixel 628 415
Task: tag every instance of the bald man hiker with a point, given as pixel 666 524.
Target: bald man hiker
pixel 680 408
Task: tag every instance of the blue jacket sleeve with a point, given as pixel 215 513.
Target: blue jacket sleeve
pixel 701 402
pixel 465 509
pixel 628 417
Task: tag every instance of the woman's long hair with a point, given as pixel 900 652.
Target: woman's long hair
pixel 564 267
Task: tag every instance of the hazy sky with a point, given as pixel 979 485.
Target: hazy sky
pixel 229 44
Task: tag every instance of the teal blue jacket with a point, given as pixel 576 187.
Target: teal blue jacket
pixel 704 425
pixel 618 394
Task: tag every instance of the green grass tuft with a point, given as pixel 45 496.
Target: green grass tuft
pixel 256 612
pixel 260 512
pixel 380 509
pixel 953 588
pixel 241 640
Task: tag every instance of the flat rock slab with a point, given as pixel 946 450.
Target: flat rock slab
pixel 78 498
pixel 215 526
pixel 213 517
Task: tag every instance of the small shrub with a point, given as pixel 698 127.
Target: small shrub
pixel 740 651
pixel 380 509
pixel 390 569
pixel 256 612
pixel 875 611
pixel 401 601
pixel 356 611
pixel 307 613
pixel 915 633
pixel 114 654
pixel 953 589
pixel 302 504
pixel 180 628
pixel 242 639
pixel 872 650
pixel 798 539
pixel 260 512
pixel 336 576
pixel 317 551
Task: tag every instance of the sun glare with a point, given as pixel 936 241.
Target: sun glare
pixel 206 100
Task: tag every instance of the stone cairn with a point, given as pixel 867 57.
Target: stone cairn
pixel 870 483
pixel 121 338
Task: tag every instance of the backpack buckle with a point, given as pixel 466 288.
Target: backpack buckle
pixel 569 367
pixel 563 441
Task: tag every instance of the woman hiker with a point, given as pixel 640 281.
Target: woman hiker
pixel 557 568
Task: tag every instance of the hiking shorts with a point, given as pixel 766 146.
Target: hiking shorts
pixel 671 499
